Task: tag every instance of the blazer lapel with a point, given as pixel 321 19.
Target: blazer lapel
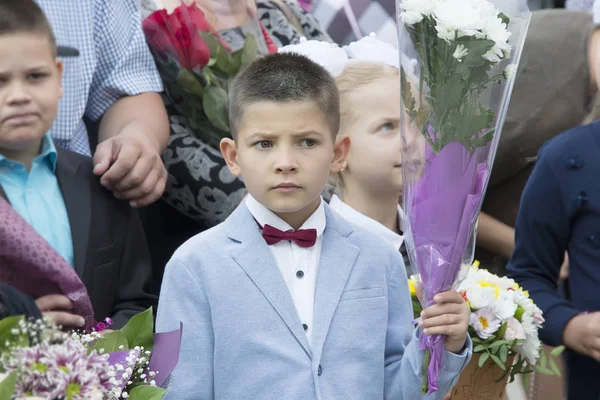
pixel 77 196
pixel 255 258
pixel 338 256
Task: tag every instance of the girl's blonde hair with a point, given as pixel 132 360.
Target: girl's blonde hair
pixel 357 74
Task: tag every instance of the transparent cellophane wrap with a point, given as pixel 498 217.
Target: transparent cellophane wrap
pixel 458 64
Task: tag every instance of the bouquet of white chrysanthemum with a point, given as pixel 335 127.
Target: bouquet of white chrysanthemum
pixel 504 322
pixel 454 105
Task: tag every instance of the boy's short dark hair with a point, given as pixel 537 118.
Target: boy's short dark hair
pixel 25 16
pixel 284 77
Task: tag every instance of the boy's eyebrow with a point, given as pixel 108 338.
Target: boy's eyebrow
pixel 267 136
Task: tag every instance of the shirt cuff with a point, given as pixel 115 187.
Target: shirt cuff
pixel 453 363
pixel 555 324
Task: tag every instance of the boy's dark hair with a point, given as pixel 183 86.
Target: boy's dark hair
pixel 25 16
pixel 284 77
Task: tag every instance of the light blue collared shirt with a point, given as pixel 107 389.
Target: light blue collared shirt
pixel 37 197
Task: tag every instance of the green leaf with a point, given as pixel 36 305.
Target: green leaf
pixel 503 353
pixel 483 359
pixel 479 348
pixel 542 370
pixel 543 359
pixel 477 48
pixel 147 393
pixel 519 313
pixel 250 50
pixel 496 345
pixel 139 331
pixel 6 335
pixel 111 343
pixel 557 351
pixel 189 83
pixel 504 18
pixel 498 362
pixel 553 366
pixel 407 96
pixel 7 386
pixel 216 107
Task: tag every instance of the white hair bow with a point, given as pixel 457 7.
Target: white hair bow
pixel 334 58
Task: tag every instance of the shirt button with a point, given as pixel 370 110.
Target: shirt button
pixel 320 370
pixel 300 274
pixel 305 327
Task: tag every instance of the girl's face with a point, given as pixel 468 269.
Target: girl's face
pixel 373 124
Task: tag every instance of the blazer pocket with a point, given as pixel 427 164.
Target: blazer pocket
pixel 359 294
pixel 104 255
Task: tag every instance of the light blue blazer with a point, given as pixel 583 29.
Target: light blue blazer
pixel 243 339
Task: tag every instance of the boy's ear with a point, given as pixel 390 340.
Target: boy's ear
pixel 229 151
pixel 60 68
pixel 340 153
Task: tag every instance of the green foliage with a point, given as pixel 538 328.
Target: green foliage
pixel 7 386
pixel 147 393
pixel 139 331
pixel 450 90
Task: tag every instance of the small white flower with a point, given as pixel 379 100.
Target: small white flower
pixel 485 322
pixel 460 52
pixel 509 71
pixel 152 383
pixel 514 330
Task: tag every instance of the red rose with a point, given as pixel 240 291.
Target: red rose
pixel 177 35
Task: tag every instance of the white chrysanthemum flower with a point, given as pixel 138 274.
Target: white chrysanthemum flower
pixel 457 18
pixel 460 52
pixel 509 71
pixel 415 10
pixel 514 330
pixel 329 55
pixel 505 306
pixel 479 296
pixel 485 322
pixel 496 31
pixel 530 349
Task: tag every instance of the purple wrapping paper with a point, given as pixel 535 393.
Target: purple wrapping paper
pixel 30 264
pixel 442 209
pixel 165 354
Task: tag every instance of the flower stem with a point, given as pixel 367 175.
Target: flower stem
pixel 426 361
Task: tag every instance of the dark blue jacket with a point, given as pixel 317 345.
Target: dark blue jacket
pixel 560 211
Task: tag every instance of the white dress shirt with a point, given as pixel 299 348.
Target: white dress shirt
pixel 299 266
pixel 367 223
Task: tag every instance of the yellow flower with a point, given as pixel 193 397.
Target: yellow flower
pixel 475 264
pixel 412 286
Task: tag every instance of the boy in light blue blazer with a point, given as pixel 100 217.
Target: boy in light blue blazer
pixel 285 299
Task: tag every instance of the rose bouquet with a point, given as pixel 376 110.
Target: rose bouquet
pixel 37 360
pixel 454 105
pixel 504 324
pixel 197 67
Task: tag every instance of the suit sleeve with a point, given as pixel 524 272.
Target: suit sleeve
pixel 135 273
pixel 541 239
pixel 182 299
pixel 403 359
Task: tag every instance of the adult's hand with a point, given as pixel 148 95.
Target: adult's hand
pixel 131 167
pixel 57 307
pixel 582 334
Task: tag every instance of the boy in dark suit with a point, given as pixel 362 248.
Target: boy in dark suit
pixel 560 211
pixel 55 190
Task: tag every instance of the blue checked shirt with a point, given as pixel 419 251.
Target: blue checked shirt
pixel 114 62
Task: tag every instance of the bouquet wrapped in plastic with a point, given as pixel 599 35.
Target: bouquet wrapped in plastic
pixel 454 100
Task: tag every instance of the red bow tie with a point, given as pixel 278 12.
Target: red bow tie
pixel 303 237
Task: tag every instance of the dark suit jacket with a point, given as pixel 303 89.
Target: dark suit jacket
pixel 110 252
pixel 560 211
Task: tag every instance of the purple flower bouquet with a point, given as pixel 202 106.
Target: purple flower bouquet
pixel 455 94
pixel 38 360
